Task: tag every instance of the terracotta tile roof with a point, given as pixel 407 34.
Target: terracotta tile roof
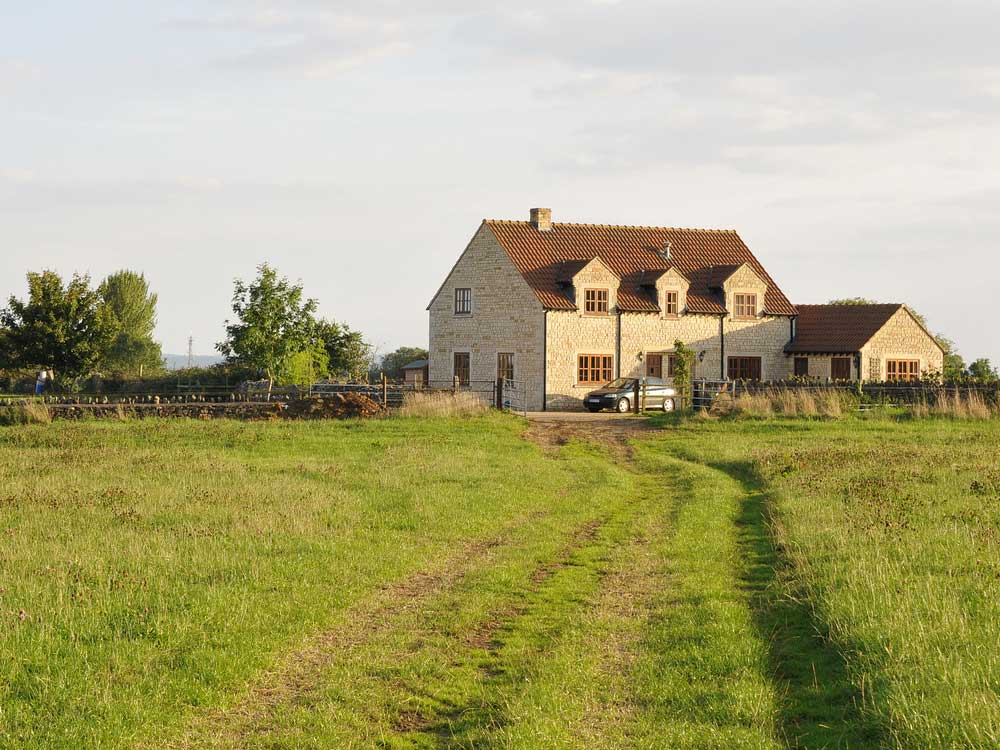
pixel 839 329
pixel 632 253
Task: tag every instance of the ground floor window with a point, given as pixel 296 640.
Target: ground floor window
pixel 505 365
pixel 802 367
pixel 902 369
pixel 462 367
pixel 744 368
pixel 840 368
pixel 594 369
pixel 660 365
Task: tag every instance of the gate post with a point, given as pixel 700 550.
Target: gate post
pixel 635 399
pixel 499 394
pixel 385 393
pixel 454 385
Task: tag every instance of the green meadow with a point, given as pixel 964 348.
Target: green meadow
pixel 447 583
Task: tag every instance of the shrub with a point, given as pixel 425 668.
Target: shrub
pixel 442 404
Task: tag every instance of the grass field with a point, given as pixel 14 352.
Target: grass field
pixel 446 583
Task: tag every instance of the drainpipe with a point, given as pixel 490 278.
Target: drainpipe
pixel 545 346
pixel 618 345
pixel 722 347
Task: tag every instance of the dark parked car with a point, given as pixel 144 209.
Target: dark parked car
pixel 619 394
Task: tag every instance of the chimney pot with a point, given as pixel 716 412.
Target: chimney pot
pixel 541 219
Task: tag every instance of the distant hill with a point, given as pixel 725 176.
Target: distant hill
pixel 180 361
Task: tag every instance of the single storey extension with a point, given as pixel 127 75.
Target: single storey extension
pixel 564 308
pixel 862 342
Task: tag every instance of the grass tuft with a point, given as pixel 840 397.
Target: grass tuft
pixel 442 404
pixel 30 412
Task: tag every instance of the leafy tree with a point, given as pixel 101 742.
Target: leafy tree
pixel 63 326
pixel 982 369
pixel 350 356
pixel 852 301
pixel 307 366
pixel 392 363
pixel 273 323
pixel 131 310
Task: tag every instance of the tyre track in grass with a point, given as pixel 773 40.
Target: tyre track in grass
pixel 625 579
pixel 302 670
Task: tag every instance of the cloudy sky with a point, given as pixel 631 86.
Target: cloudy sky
pixel 356 145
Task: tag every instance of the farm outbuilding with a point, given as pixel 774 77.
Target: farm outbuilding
pixel 415 373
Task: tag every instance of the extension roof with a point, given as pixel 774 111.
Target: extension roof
pixel 705 257
pixel 417 364
pixel 838 329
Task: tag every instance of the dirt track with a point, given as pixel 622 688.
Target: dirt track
pixel 552 429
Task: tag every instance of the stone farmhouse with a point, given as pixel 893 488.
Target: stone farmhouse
pixel 564 308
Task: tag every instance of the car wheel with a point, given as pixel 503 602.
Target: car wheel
pixel 622 406
pixel 668 404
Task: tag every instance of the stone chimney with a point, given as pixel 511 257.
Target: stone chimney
pixel 541 219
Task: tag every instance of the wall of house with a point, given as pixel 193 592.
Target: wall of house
pixel 764 337
pixel 572 333
pixel 900 338
pixel 506 317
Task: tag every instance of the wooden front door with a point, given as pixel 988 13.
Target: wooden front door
pixel 654 365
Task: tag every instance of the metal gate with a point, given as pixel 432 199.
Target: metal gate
pixel 514 397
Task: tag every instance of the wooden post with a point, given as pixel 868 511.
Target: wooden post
pixel 635 397
pixel 385 393
pixel 454 385
pixel 499 394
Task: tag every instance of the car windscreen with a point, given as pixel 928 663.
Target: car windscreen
pixel 621 383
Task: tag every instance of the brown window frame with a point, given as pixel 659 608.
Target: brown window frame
pixel 893 370
pixel 744 368
pixel 596 301
pixel 465 371
pixel 463 300
pixel 840 362
pixel 505 365
pixel 594 369
pixel 745 305
pixel 671 304
pixel 795 367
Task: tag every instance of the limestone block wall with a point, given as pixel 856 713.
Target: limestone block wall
pixel 764 337
pixel 900 338
pixel 570 333
pixel 646 334
pixel 506 317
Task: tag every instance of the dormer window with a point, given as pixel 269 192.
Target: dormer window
pixel 671 304
pixel 745 306
pixel 595 301
pixel 463 301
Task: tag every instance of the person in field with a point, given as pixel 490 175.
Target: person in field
pixel 40 381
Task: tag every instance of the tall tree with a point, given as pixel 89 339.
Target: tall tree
pixel 350 355
pixel 274 322
pixel 61 326
pixel 131 310
pixel 982 369
pixel 393 362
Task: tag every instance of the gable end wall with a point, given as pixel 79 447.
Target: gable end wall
pixel 506 317
pixel 900 338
